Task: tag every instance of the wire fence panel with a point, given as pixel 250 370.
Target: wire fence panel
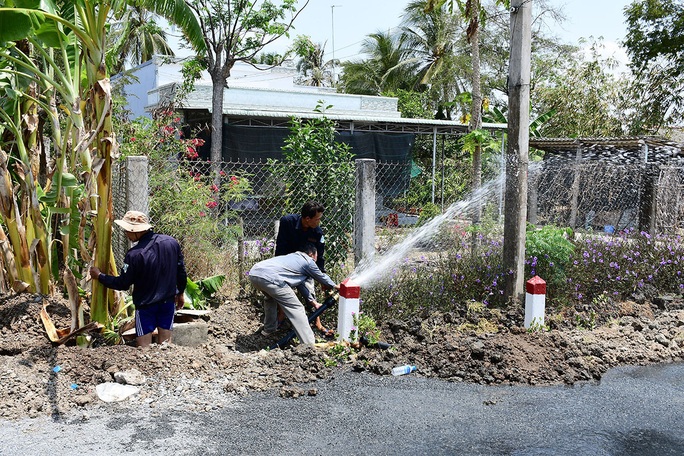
pixel 229 213
pixel 590 195
pixel 670 207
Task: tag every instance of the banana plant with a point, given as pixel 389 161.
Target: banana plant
pixel 71 86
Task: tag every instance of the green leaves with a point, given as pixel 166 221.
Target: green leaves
pixel 197 293
pixel 14 25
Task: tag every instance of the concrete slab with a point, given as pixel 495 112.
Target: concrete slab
pixel 190 334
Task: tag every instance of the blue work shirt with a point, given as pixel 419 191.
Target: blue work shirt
pixel 155 268
pixel 292 237
pixel 291 270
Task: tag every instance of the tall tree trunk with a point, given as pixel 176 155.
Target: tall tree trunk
pixel 218 88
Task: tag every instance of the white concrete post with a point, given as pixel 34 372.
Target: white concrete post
pixel 348 307
pixel 364 211
pixel 535 302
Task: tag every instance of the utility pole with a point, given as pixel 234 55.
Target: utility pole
pixel 332 17
pixel 517 153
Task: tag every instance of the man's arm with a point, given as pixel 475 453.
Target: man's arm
pixel 121 282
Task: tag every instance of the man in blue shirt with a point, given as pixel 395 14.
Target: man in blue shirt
pixel 276 278
pixel 155 268
pixel 294 232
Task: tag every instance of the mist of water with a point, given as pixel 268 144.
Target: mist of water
pixel 368 272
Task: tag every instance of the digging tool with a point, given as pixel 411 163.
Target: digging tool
pixel 329 301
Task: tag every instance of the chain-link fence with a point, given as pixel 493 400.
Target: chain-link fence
pixel 670 196
pixel 129 192
pixel 226 216
pixel 597 196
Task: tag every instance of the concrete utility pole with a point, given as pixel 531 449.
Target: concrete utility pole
pixel 518 148
pixel 332 19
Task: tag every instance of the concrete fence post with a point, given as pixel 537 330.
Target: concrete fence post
pixel 137 185
pixel 364 211
pixel 131 193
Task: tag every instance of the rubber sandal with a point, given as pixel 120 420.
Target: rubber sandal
pixel 327 333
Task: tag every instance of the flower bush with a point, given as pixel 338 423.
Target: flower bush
pixel 618 266
pixel 586 273
pixel 183 194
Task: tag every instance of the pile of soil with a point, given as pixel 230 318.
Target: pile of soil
pixel 485 346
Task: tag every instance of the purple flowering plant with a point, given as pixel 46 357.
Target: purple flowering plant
pixel 582 271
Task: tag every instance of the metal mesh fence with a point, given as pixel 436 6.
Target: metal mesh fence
pixel 119 191
pixel 130 191
pixel 229 211
pixel 590 195
pixel 226 216
pixel 670 207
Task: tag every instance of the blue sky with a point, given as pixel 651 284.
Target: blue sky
pixel 354 19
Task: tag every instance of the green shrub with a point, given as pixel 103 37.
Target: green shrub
pixel 548 251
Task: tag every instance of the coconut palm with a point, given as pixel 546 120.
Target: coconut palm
pixel 135 38
pixel 385 70
pixel 435 41
pixel 311 64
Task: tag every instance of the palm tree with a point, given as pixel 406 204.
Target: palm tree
pixel 314 69
pixel 134 38
pixel 385 70
pixel 435 43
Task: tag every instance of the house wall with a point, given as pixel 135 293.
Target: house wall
pixel 249 89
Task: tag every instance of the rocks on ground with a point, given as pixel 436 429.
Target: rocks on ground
pixel 490 347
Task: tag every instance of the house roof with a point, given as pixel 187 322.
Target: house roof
pixel 634 149
pixel 260 107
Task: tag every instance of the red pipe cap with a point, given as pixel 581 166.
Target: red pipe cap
pixel 536 285
pixel 349 289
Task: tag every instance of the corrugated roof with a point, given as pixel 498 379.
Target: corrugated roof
pixel 626 149
pixel 551 144
pixel 367 119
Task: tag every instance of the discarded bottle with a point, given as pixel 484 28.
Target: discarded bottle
pixel 403 370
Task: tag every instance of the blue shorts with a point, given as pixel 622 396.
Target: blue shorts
pixel 153 316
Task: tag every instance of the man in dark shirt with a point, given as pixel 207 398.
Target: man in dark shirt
pixel 294 232
pixel 155 268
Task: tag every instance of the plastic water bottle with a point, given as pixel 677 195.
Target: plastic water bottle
pixel 403 370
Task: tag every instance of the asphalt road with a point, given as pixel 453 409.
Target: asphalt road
pixel 633 411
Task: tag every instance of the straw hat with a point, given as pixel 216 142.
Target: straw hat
pixel 134 222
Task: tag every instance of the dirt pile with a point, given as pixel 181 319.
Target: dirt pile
pixel 37 378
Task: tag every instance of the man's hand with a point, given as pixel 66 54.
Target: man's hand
pixel 315 304
pixel 94 273
pixel 180 301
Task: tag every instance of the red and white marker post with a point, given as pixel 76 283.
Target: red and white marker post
pixel 348 307
pixel 535 301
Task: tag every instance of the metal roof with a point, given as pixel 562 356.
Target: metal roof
pixel 348 122
pixel 626 149
pixel 197 107
pixel 630 142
